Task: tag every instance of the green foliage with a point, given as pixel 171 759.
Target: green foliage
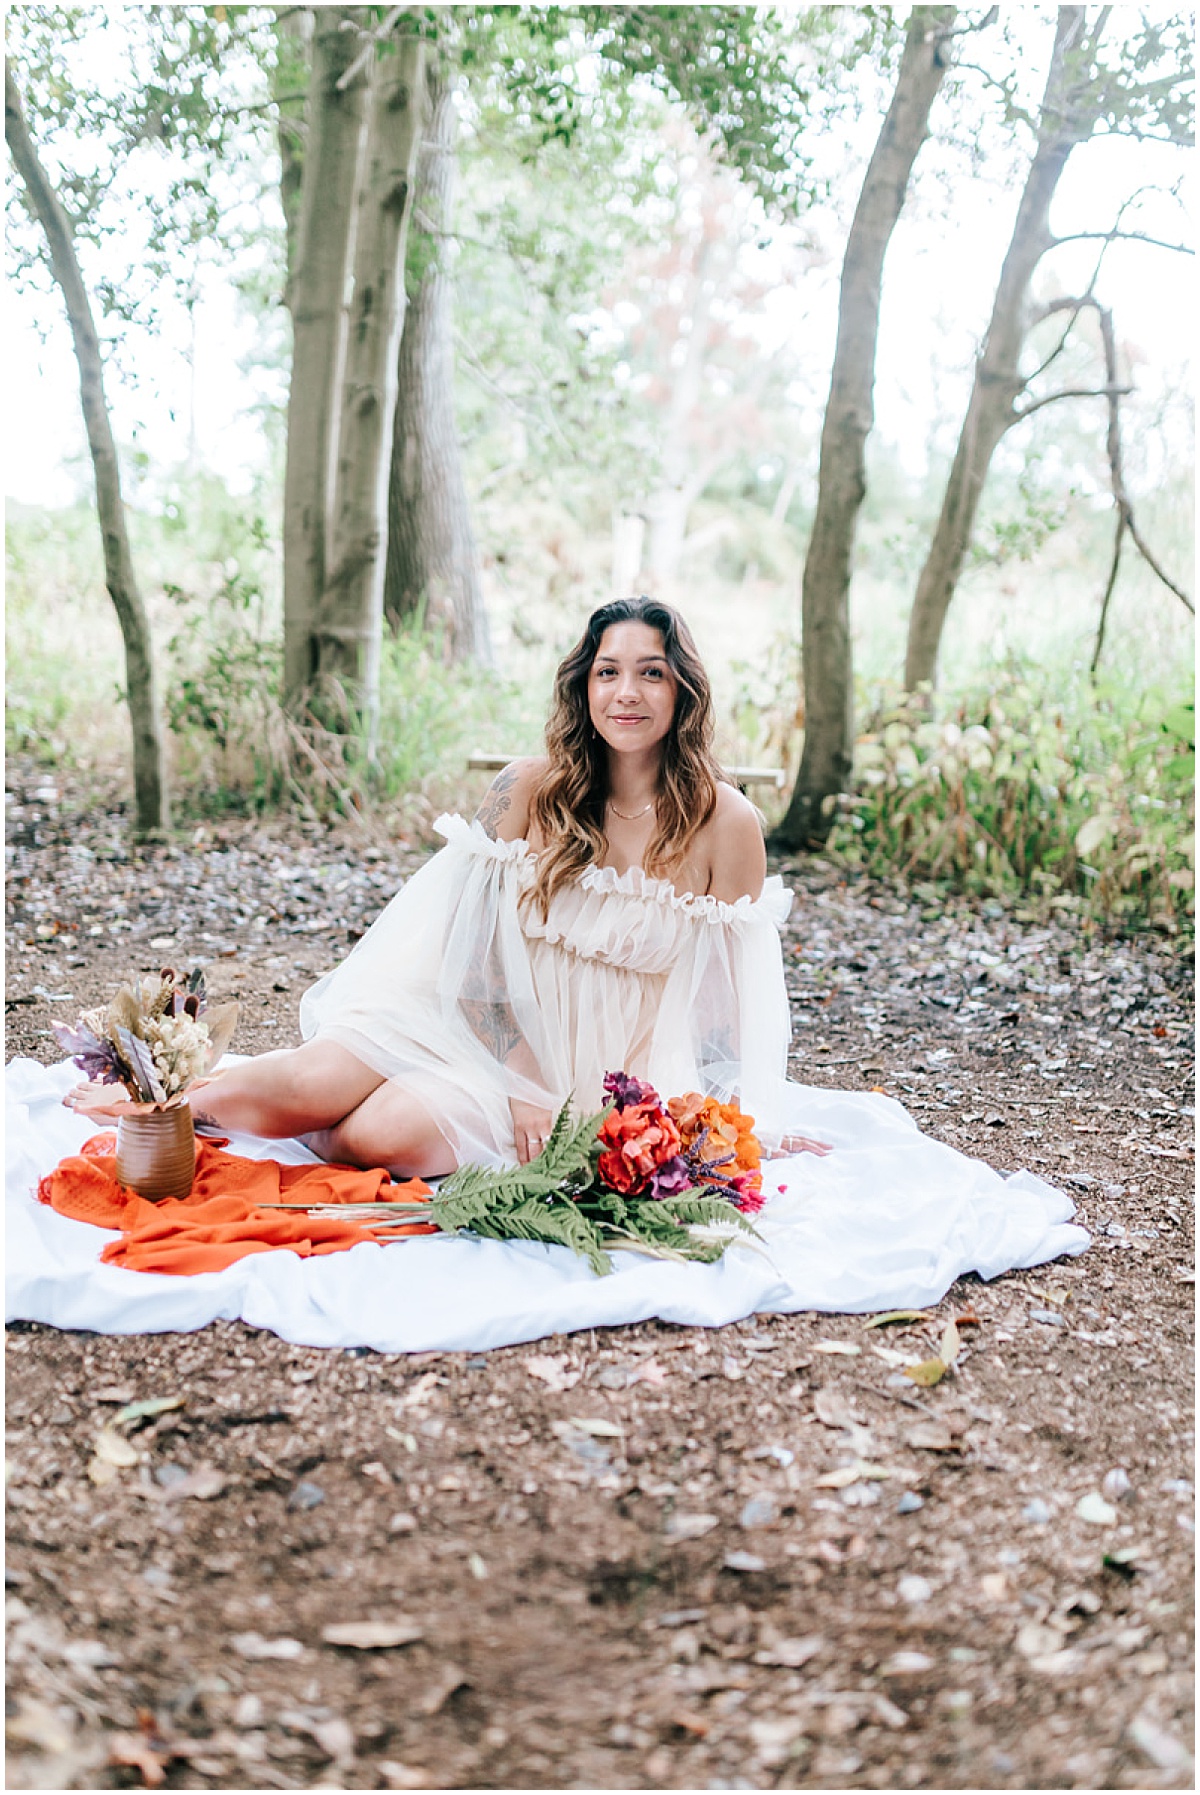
pixel 1064 797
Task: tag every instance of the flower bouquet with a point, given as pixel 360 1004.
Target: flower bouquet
pixel 156 1037
pixel 676 1180
pixel 153 1041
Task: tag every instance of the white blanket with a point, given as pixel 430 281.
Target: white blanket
pixel 888 1220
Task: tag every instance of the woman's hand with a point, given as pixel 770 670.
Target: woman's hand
pixel 531 1129
pixel 800 1143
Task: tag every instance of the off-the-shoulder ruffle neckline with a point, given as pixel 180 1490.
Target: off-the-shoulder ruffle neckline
pixel 774 900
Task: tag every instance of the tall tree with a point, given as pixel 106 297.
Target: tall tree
pixel 348 624
pixel 151 805
pixel 335 121
pixel 432 560
pixel 826 763
pixel 1080 92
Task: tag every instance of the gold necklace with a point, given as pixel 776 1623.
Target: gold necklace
pixel 624 815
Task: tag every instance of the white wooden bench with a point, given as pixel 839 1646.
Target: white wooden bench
pixel 741 776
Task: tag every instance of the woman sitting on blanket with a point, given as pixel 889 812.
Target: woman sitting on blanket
pixel 606 911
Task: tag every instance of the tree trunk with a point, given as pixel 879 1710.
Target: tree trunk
pixel 151 808
pixel 998 380
pixel 293 71
pixel 431 553
pixel 324 245
pixel 825 608
pixel 349 619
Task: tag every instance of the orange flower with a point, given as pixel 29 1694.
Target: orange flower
pixel 730 1132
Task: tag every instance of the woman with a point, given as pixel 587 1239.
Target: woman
pixel 607 910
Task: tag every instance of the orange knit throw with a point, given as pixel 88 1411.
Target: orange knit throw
pixel 228 1211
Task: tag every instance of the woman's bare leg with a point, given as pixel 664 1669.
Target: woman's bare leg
pixel 275 1095
pixel 389 1128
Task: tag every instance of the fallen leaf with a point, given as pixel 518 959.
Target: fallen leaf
pixel 845 1348
pixel 550 1371
pixel 39 1725
pixel 894 1316
pixel 744 1561
pixel 687 1526
pixel 951 1345
pixel 133 1751
pixel 202 1484
pixel 449 1678
pixel 597 1426
pixel 114 1449
pixel 861 1471
pixel 930 1436
pixel 790 1654
pixel 372 1635
pixel 145 1411
pixel 967 1318
pixel 889 1355
pixel 420 1393
pixel 1095 1509
pixel 834 1409
pixel 927 1373
pixel 651 1372
pixel 334 1737
pixel 906 1664
pixel 254 1647
pixel 1036 1640
pixel 1163 1749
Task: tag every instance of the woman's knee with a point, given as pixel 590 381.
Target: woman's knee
pixel 389 1129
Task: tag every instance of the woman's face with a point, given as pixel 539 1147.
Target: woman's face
pixel 631 688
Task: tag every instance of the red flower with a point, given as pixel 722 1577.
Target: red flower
pixel 637 1140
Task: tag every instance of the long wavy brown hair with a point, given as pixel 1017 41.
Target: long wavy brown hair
pixel 568 807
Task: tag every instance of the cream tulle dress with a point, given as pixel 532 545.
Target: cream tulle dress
pixel 467 996
pixel 625 974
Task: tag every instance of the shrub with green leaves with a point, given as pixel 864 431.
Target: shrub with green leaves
pixel 1083 804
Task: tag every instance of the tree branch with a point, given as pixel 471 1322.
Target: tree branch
pixel 1183 249
pixel 373 38
pixel 1070 392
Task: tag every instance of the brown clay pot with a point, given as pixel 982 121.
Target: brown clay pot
pixel 156 1153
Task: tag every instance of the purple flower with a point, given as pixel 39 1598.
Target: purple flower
pixel 626 1091
pixel 671 1179
pixel 95 1056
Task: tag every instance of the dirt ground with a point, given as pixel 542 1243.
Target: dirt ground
pixel 692 1601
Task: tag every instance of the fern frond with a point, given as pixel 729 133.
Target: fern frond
pixel 554 1224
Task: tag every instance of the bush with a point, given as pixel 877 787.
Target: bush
pixel 1083 806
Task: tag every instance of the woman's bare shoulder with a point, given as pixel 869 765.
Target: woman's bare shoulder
pixel 504 812
pixel 736 851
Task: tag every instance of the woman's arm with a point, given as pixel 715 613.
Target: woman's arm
pixel 504 812
pixel 737 853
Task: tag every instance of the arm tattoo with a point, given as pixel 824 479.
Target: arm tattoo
pixel 497 800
